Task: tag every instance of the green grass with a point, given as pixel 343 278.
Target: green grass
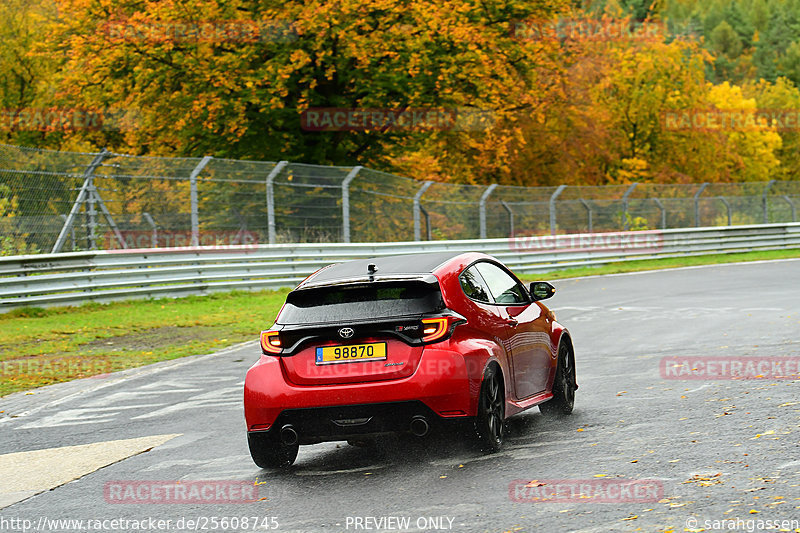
pixel 43 346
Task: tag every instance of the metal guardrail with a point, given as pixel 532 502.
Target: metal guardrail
pixel 73 278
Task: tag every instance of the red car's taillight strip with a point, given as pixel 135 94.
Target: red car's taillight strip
pixel 270 342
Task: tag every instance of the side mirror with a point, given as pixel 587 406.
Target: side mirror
pixel 541 290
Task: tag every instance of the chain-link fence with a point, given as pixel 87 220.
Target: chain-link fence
pixel 62 201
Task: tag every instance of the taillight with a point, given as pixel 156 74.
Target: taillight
pixel 436 329
pixel 270 342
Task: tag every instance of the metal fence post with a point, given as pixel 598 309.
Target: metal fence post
pixel 625 223
pixel 663 212
pixel 482 208
pixel 72 231
pixel 193 198
pixel 417 205
pixel 791 204
pixel 727 208
pixel 152 223
pixel 84 194
pixel 553 198
pixel 764 201
pixel 510 217
pixel 428 231
pixel 588 212
pixel 271 201
pixel 346 202
pixel 697 204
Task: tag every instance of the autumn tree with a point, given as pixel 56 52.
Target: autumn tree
pixel 242 95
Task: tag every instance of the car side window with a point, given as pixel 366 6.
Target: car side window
pixel 505 289
pixel 474 286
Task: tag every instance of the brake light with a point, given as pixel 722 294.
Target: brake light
pixel 270 342
pixel 435 329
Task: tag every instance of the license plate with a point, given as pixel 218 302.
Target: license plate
pixel 354 353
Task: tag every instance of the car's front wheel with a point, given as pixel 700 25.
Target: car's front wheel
pixel 271 453
pixel 564 385
pixel 490 422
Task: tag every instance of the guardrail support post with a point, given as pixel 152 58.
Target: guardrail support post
pixel 152 223
pixel 482 208
pixel 764 200
pixel 697 204
pixel 553 198
pixel 663 212
pixel 346 202
pixel 193 198
pixel 727 208
pixel 589 212
pixel 271 201
pixel 510 217
pixel 625 223
pixel 417 209
pixel 791 204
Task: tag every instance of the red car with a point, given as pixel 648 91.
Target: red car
pixel 403 343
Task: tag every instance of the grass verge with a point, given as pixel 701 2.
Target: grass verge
pixel 43 346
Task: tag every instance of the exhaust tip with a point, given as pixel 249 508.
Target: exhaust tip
pixel 289 435
pixel 419 426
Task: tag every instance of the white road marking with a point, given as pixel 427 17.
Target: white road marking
pixel 25 474
pixel 72 417
pixel 93 384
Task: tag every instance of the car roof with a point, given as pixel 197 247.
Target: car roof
pixel 406 266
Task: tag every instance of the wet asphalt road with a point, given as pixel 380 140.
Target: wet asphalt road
pixel 710 449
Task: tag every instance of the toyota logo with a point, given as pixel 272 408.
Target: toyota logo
pixel 346 333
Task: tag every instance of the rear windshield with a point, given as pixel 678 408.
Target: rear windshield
pixel 360 302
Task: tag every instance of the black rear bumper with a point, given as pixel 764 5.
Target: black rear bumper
pixel 345 422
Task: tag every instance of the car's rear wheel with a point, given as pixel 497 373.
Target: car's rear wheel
pixel 490 422
pixel 564 385
pixel 268 452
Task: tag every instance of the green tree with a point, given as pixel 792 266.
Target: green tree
pixel 781 95
pixel 26 70
pixel 789 64
pixel 12 240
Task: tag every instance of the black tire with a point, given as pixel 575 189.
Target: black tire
pixel 268 452
pixel 490 422
pixel 564 385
